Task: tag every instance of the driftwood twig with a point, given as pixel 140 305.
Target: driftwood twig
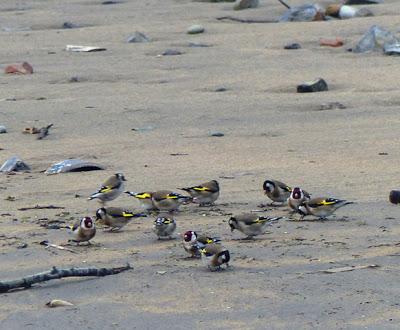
pixel 244 20
pixel 56 273
pixel 38 207
pixel 284 3
pixel 55 246
pixel 44 131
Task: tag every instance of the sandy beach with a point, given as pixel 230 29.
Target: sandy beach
pixel 151 117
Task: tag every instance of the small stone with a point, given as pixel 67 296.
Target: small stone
pixel 171 52
pixel 294 45
pixel 331 106
pixel 318 85
pixel 3 129
pixel 216 134
pixel 161 272
pixel 197 45
pixel 338 42
pixel 69 25
pixel 22 246
pixel 363 2
pixel 137 37
pixel 245 4
pixel 394 197
pixel 195 29
pixel 221 89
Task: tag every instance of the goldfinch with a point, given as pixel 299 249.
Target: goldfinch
pixel 168 201
pixel 276 191
pixel 110 189
pixel 145 201
pixel 164 226
pixel 192 242
pixel 250 224
pixel 214 256
pixel 297 196
pixel 83 230
pixel 115 217
pixel 321 207
pixel 204 194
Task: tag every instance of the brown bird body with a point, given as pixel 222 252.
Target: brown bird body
pixel 83 230
pixel 168 201
pixel 321 207
pixel 193 243
pixel 276 191
pixel 145 200
pixel 214 256
pixel 250 224
pixel 110 189
pixel 204 194
pixel 115 217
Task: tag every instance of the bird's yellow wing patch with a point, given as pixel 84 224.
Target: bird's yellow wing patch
pixel 326 202
pixel 127 214
pixel 143 196
pixel 201 188
pixel 105 189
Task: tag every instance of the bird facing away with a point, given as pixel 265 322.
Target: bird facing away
pixel 164 226
pixel 297 196
pixel 145 200
pixel 205 193
pixel 277 192
pixel 251 224
pixel 214 256
pixel 193 243
pixel 110 189
pixel 115 217
pixel 168 201
pixel 83 230
pixel 321 207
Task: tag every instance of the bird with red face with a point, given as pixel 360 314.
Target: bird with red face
pixel 83 230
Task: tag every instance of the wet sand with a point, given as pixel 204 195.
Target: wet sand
pixel 270 131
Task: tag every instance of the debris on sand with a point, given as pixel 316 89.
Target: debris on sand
pixel 137 37
pixel 245 4
pixel 85 49
pixel 24 68
pixel 318 85
pixel 377 38
pixel 14 164
pixel 73 165
pixel 58 303
pixel 347 269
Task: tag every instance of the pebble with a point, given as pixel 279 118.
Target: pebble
pixel 394 197
pixel 331 106
pixel 197 45
pixel 195 29
pixel 137 37
pixel 245 4
pixel 171 52
pixel 3 129
pixel 318 85
pixel 24 68
pixel 69 25
pixel 216 134
pixel 294 45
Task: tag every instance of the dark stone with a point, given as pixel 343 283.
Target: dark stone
pixel 394 197
pixel 318 85
pixel 294 45
pixel 69 25
pixel 171 52
pixel 363 2
pixel 137 37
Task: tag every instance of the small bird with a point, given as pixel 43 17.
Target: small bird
pixel 276 191
pixel 110 189
pixel 193 243
pixel 144 199
pixel 297 196
pixel 115 217
pixel 166 200
pixel 321 207
pixel 251 224
pixel 164 226
pixel 83 230
pixel 214 256
pixel 204 194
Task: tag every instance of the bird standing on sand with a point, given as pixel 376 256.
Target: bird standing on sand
pixel 251 224
pixel 193 243
pixel 214 256
pixel 204 194
pixel 144 199
pixel 276 191
pixel 110 189
pixel 166 200
pixel 297 196
pixel 164 226
pixel 321 207
pixel 115 217
pixel 83 230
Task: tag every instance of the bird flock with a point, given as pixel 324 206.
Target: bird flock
pixel 165 203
